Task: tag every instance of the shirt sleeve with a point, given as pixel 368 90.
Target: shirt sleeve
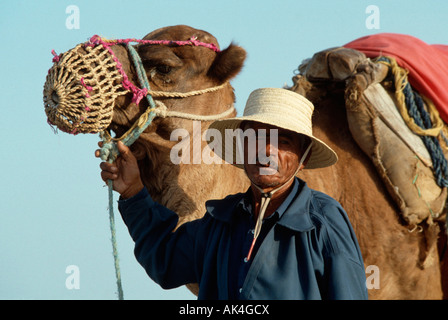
pixel 168 257
pixel 344 275
pixel 345 279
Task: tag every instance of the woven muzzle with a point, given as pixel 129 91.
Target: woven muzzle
pixel 81 88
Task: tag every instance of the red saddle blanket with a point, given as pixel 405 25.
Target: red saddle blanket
pixel 427 64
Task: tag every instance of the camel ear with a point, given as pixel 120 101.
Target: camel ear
pixel 228 63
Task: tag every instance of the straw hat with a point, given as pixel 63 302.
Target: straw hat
pixel 278 107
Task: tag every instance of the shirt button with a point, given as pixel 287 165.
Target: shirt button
pixel 245 259
pixel 252 231
pixel 240 290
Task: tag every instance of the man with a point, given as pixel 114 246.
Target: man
pixel 278 240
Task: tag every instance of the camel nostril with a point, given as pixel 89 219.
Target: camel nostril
pixel 55 97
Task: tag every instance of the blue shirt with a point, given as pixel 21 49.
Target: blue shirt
pixel 242 236
pixel 309 252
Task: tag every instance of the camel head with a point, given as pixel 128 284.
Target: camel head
pixel 181 70
pixel 94 88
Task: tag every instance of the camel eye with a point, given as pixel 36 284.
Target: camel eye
pixel 163 69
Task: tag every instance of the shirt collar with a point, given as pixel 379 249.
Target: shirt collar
pixel 246 202
pixel 293 212
pixel 292 194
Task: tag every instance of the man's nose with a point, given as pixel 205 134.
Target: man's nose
pixel 267 150
pixel 271 147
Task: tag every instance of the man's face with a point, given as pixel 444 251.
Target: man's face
pixel 282 155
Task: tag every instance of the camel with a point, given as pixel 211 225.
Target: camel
pixel 384 240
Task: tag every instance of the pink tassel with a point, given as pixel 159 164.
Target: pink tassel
pixel 55 56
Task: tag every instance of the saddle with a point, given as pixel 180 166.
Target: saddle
pixel 399 155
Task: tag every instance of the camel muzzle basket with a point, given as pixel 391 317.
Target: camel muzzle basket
pixel 81 88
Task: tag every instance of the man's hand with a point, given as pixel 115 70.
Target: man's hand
pixel 124 172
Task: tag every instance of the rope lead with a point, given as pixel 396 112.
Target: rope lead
pixel 114 242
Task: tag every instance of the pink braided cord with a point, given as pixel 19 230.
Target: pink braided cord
pixel 191 42
pixel 139 94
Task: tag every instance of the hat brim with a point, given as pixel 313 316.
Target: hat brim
pixel 321 154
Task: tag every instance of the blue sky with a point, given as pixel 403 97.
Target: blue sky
pixel 53 205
